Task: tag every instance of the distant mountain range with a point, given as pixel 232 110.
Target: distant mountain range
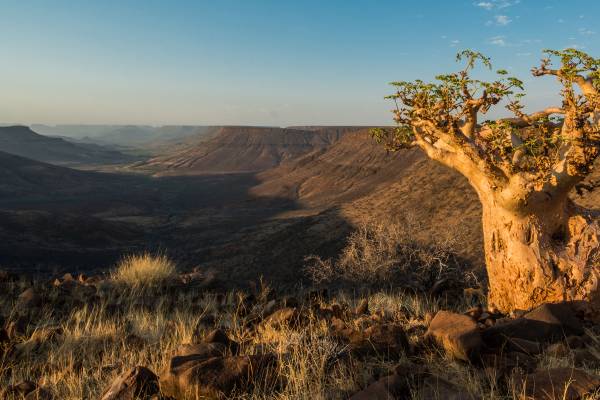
pixel 245 200
pixel 22 141
pixel 123 135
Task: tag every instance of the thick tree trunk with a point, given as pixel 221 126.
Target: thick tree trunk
pixel 545 256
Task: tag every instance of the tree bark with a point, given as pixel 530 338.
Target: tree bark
pixel 551 254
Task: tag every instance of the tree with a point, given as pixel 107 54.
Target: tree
pixel 539 246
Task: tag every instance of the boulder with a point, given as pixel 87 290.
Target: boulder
pixel 216 376
pixel 137 383
pixel 283 317
pixel 379 340
pixel 546 323
pixel 523 346
pixel 457 334
pixel 219 336
pixel 560 317
pixel 197 351
pixel 560 384
pixel 387 388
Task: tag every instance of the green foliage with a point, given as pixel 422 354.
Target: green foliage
pixel 574 62
pixel 448 108
pixel 394 139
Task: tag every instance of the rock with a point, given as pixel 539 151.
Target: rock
pixel 457 334
pixel 218 336
pixel 560 383
pixel 560 318
pixel 197 351
pixel 137 383
pixel 381 340
pixel 217 376
pixel 283 317
pixel 26 301
pixel 524 346
pixel 546 323
pixel 363 307
pixel 436 388
pixel 475 312
pixel 387 388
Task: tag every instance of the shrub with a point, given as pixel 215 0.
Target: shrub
pixel 144 270
pixel 379 253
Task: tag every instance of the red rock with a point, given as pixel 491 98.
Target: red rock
pixel 217 376
pixel 560 384
pixel 457 334
pixel 137 383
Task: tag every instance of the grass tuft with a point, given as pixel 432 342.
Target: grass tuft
pixel 140 271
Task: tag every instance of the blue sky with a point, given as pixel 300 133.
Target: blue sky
pixel 262 62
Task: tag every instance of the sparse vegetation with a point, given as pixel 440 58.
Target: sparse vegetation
pixel 98 341
pixel 78 335
pixel 143 271
pixel 387 253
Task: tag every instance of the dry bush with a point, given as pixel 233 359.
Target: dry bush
pixel 139 271
pixel 383 253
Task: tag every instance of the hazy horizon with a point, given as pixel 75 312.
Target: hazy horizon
pixel 266 64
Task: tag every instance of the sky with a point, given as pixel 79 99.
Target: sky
pixel 262 62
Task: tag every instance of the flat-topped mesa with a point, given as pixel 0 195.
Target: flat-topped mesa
pixel 243 149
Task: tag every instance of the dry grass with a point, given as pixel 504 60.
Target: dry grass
pixel 386 252
pixel 139 271
pixel 118 328
pixel 98 343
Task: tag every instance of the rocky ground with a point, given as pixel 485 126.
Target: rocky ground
pixel 94 338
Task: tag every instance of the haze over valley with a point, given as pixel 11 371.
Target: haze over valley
pixel 300 200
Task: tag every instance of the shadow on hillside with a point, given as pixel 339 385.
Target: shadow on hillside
pixel 210 222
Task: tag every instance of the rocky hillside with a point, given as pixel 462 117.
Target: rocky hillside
pixel 112 338
pixel 24 142
pixel 356 180
pixel 243 149
pixel 20 176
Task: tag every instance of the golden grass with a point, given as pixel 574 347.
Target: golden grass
pixel 144 270
pixel 97 344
